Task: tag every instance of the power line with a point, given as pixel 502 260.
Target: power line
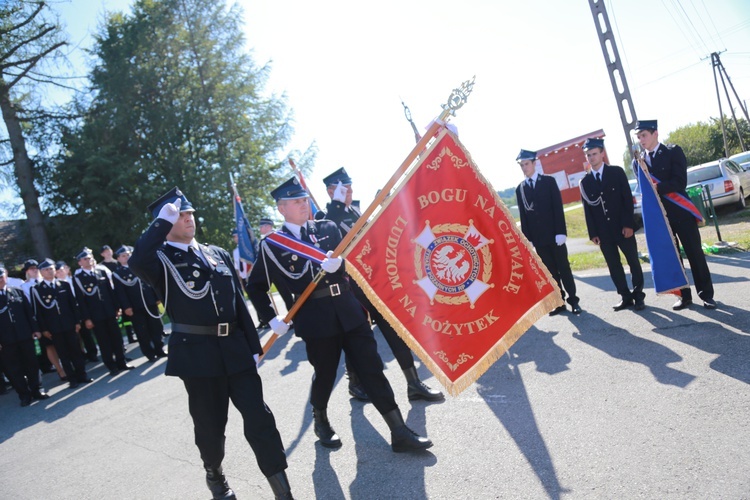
pixel 708 13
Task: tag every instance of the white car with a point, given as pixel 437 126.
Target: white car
pixel 636 190
pixel 742 159
pixel 727 182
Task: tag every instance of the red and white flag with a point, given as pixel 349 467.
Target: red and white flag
pixel 444 262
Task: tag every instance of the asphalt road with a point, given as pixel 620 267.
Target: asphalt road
pixel 654 404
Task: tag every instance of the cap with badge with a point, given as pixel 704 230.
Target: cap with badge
pixel 265 222
pixel 593 143
pixel 85 252
pixel 289 190
pixel 59 265
pixel 645 125
pixel 526 155
pixel 170 197
pixel 339 175
pixel 123 249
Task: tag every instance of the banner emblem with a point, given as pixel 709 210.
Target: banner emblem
pixel 452 263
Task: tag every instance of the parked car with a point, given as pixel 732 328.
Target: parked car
pixel 742 159
pixel 727 182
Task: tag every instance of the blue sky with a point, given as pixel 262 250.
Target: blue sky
pixel 540 73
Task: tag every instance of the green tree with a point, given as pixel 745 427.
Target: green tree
pixel 177 101
pixel 30 41
pixel 703 142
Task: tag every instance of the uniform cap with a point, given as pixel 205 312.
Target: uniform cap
pixel 105 247
pixel 29 264
pixel 85 252
pixel 339 175
pixel 59 264
pixel 46 263
pixel 265 222
pixel 123 249
pixel 526 155
pixel 593 143
pixel 170 197
pixel 289 190
pixel 645 125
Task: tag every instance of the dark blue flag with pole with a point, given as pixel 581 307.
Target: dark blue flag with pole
pixel 246 242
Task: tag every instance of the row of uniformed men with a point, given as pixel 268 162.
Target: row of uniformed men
pixel 63 311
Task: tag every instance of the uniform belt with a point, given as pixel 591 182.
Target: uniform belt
pixel 331 290
pixel 220 330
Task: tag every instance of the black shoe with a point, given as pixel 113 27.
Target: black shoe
pixel 682 304
pixel 40 394
pixel 262 326
pixel 114 371
pixel 152 359
pixel 324 431
pixel 161 354
pixel 416 389
pixel 64 379
pixel 72 384
pixel 623 304
pixel 85 380
pixel 576 309
pixel 218 485
pixel 640 305
pixel 26 401
pixel 126 367
pixel 403 438
pixel 709 304
pixel 128 359
pixel 557 310
pixel 280 486
pixel 355 388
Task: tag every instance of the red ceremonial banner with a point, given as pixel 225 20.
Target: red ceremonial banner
pixel 444 262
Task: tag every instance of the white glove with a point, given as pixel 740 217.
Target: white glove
pixel 256 357
pixel 331 264
pixel 171 211
pixel 560 239
pixel 278 326
pixel 339 194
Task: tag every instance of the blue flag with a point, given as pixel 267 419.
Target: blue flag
pixel 666 265
pixel 246 241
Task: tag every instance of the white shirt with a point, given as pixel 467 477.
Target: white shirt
pixel 295 229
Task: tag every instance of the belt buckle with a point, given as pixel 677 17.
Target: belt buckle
pixel 223 329
pixel 335 290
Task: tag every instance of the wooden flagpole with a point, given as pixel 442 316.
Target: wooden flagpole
pixel 455 101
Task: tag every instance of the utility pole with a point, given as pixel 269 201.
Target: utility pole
pixel 719 68
pixel 614 67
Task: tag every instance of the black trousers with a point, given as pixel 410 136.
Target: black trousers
pixel 208 400
pixel 324 353
pixel 69 349
pixel 555 259
pixel 149 332
pixel 89 344
pixel 21 367
pixel 109 338
pixel 611 254
pixel 686 233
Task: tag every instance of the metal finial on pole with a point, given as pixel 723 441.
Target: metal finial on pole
pixel 407 112
pixel 458 98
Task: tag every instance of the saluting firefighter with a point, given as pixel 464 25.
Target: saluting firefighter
pixel 214 346
pixel 18 329
pixel 608 207
pixel 543 223
pixel 60 321
pixel 330 321
pixel 344 214
pixel 100 310
pixel 139 305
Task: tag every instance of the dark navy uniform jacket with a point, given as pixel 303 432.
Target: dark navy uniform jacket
pixel 669 165
pixel 316 314
pixel 606 221
pixel 128 289
pixel 95 295
pixel 546 220
pixel 198 294
pixel 56 308
pixel 342 216
pixel 17 321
